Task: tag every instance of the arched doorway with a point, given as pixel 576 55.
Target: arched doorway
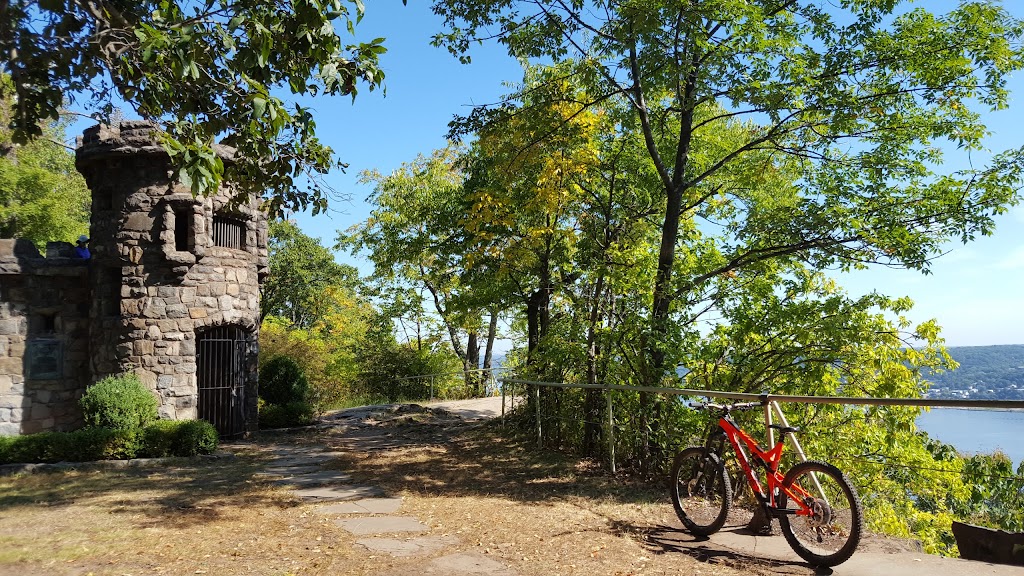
pixel 221 375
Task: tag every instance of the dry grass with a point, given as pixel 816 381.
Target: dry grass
pixel 539 514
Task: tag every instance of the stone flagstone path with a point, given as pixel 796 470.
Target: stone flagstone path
pixel 367 510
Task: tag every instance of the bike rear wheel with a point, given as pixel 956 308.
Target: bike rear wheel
pixel 701 492
pixel 831 534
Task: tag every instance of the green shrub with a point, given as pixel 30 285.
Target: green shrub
pixel 194 437
pixel 123 444
pixel 78 446
pixel 158 439
pixel 286 415
pixel 281 380
pixel 118 402
pixel 179 438
pixel 30 448
pixel 88 444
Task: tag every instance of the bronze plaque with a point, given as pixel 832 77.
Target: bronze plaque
pixel 44 359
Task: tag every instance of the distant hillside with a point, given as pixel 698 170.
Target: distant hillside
pixel 985 373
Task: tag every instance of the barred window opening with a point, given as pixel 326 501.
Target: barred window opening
pixel 228 233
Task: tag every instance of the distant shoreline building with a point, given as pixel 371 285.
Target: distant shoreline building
pixel 171 293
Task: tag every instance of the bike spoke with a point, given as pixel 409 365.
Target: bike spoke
pixel 700 491
pixel 826 530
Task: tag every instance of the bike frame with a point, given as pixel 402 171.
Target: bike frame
pixel 770 462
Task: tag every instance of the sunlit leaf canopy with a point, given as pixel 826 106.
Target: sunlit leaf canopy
pixel 863 95
pixel 208 71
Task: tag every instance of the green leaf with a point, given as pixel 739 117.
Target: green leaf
pixel 259 106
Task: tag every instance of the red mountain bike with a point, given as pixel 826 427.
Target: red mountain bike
pixel 818 510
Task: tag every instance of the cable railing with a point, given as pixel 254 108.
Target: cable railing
pixel 482 382
pixel 772 408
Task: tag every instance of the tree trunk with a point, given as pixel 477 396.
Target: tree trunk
pixel 650 405
pixel 492 333
pixel 592 399
pixel 472 363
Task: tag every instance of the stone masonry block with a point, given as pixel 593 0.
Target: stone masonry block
pixel 164 383
pixel 9 326
pixel 12 366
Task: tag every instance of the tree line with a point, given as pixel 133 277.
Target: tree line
pixel 984 372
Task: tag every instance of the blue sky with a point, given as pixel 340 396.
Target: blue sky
pixel 974 291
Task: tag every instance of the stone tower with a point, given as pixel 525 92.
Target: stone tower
pixel 175 279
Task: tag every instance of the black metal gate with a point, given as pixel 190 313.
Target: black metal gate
pixel 220 355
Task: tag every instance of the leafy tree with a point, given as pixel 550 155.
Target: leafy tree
pixel 415 239
pixel 42 197
pixel 803 133
pixel 387 368
pixel 302 273
pixel 208 69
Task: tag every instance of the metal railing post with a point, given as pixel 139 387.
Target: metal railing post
pixel 536 406
pixel 611 428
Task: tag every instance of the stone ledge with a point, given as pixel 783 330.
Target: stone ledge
pixel 43 467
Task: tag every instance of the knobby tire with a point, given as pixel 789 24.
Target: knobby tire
pixel 701 491
pixel 832 535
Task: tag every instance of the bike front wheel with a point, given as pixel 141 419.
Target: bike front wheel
pixel 829 531
pixel 701 491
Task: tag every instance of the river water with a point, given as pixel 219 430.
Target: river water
pixel 974 431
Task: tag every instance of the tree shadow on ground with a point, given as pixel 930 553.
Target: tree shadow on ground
pixel 181 494
pixel 445 456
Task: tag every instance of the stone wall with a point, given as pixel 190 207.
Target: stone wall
pixel 171 274
pixel 44 330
